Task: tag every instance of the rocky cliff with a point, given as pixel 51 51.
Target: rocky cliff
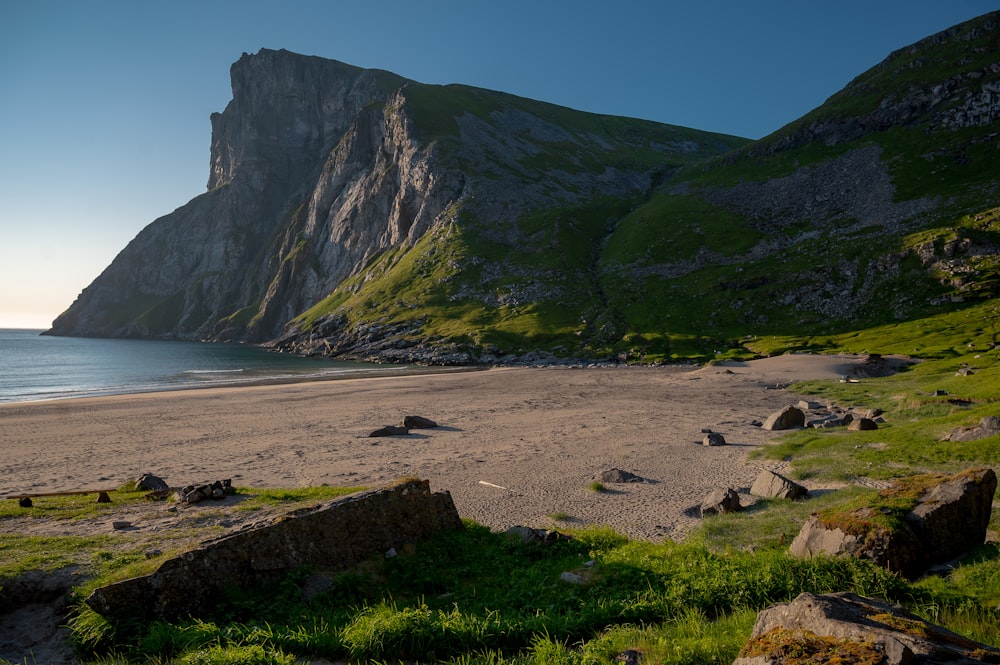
pixel 318 167
pixel 354 213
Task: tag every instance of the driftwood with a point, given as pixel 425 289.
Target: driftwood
pixel 25 499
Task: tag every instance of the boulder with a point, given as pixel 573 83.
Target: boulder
pixel 772 485
pixel 988 426
pixel 861 425
pixel 390 430
pixel 151 483
pixel 846 628
pixel 721 501
pixel 713 439
pixel 333 536
pixel 789 417
pixel 952 516
pixel 949 516
pixel 618 476
pixel 418 422
pixel 861 537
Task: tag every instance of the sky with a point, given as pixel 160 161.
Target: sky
pixel 105 105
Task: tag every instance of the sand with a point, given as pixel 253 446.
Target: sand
pixel 515 446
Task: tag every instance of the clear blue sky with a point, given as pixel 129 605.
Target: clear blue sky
pixel 104 106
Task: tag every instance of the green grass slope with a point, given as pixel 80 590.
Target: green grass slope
pixel 878 208
pixel 710 258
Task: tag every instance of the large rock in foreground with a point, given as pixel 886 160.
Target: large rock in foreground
pixel 922 521
pixel 333 535
pixel 845 628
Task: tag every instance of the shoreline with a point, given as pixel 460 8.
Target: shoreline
pixel 389 372
pixel 515 446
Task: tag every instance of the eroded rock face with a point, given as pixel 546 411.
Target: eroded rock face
pixel 333 535
pixel 844 627
pixel 950 517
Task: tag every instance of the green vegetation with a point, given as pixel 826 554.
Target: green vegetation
pixel 799 647
pixel 477 595
pixel 20 552
pixel 436 108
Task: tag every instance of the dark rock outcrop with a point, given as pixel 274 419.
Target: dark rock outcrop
pixel 846 628
pixel 333 535
pixel 949 516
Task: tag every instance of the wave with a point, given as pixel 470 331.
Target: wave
pixel 213 371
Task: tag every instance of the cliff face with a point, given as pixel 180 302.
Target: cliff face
pixel 317 167
pixel 205 269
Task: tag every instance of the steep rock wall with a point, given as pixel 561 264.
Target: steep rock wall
pixel 379 188
pixel 219 266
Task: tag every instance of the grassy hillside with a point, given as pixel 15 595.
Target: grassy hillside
pixel 682 266
pixel 878 208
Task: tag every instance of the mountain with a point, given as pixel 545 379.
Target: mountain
pixel 323 173
pixel 879 206
pixel 354 213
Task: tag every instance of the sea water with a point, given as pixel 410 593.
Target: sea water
pixel 36 367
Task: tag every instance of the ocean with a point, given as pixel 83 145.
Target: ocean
pixel 35 367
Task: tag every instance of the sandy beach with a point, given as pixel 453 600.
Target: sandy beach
pixel 514 446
